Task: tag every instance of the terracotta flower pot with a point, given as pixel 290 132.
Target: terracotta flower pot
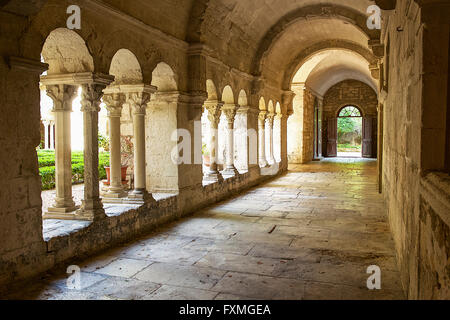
pixel 108 174
pixel 206 160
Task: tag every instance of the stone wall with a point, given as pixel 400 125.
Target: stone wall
pixel 308 126
pixel 414 97
pixel 301 126
pixel 349 92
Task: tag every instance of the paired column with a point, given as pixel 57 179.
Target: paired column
pixel 270 123
pixel 114 104
pixel 214 113
pixel 230 112
pixel 62 96
pixel 262 139
pixel 92 207
pixel 138 102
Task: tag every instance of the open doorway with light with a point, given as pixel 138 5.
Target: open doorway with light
pixel 349 132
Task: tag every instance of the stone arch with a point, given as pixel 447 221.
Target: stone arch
pixel 228 95
pixel 356 105
pixel 164 78
pixel 196 20
pixel 270 107
pixel 322 46
pixel 278 108
pixel 125 68
pixel 242 99
pixel 66 52
pixel 211 90
pixel 262 104
pixel 320 11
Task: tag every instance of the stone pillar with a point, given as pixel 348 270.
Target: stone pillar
pixel 138 102
pixel 62 96
pixel 214 113
pixel 92 207
pixel 270 122
pixel 114 103
pixel 46 135
pixel 287 108
pixel 262 139
pixel 230 113
pixel 52 143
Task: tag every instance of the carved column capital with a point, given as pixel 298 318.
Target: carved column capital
pixel 62 96
pixel 230 110
pixel 214 113
pixel 114 104
pixel 138 102
pixel 91 96
pixel 262 117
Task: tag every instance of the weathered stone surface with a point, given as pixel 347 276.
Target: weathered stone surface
pixel 246 56
pixel 228 255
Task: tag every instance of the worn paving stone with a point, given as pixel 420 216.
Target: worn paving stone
pixel 239 263
pixel 124 267
pixel 307 235
pixel 184 276
pixel 116 288
pixel 261 287
pixel 224 246
pixel 167 292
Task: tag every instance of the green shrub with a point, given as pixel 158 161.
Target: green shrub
pixel 47 167
pixel 48 177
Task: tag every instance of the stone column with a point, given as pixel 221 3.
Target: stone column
pixel 52 143
pixel 46 135
pixel 230 113
pixel 214 112
pixel 270 122
pixel 262 139
pixel 92 207
pixel 114 103
pixel 138 102
pixel 62 96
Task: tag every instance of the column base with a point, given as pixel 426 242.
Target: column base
pixel 230 172
pixel 91 210
pixel 115 193
pixel 213 177
pixel 90 215
pixel 141 196
pixel 264 164
pixel 62 213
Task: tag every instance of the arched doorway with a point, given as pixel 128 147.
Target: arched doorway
pixel 349 132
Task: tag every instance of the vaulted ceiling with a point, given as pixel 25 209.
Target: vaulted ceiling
pixel 268 38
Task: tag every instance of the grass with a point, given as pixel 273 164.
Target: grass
pixel 349 148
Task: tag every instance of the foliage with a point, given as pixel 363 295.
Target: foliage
pixel 103 142
pixel 347 125
pixel 205 150
pixel 346 146
pixel 127 150
pixel 47 167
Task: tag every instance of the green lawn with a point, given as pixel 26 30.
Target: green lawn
pixel 46 160
pixel 348 148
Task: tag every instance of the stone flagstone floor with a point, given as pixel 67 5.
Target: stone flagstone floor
pixel 310 234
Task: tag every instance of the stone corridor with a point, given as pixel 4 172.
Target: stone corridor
pixel 310 234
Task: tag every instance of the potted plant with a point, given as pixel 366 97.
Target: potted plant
pixel 206 155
